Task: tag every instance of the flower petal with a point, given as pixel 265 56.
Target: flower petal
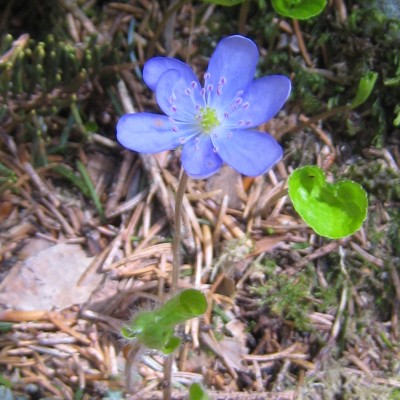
pixel 262 100
pixel 250 152
pixel 149 133
pixel 199 158
pixel 231 69
pixel 177 97
pixel 155 67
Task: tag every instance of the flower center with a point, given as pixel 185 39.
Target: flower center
pixel 208 119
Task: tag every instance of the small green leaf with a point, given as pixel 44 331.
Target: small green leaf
pixel 171 345
pixel 332 210
pixel 196 392
pixel 91 126
pixel 5 382
pixel 155 329
pixel 157 336
pixel 78 395
pixel 396 121
pixel 128 333
pixel 299 9
pixel 5 327
pixel 188 304
pixel 141 324
pixel 68 173
pixel 365 87
pixel 90 187
pixel 148 331
pixel 224 2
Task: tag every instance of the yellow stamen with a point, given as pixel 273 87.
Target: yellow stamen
pixel 208 119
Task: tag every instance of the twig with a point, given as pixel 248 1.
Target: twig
pixel 161 26
pixel 40 184
pixel 288 353
pixel 64 223
pixel 369 257
pixel 129 230
pixel 63 327
pixel 116 191
pixel 220 219
pixel 169 28
pixel 20 316
pixel 324 115
pixel 129 204
pixel 154 230
pixel 300 40
pixel 329 248
pixel 207 246
pixel 74 9
pixel 341 11
pixel 360 364
pixel 323 136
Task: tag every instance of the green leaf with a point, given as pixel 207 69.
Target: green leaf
pixel 78 395
pixel 91 126
pixel 5 382
pixel 139 325
pixel 92 191
pixel 396 121
pixel 159 337
pixel 171 345
pixel 196 392
pixel 7 173
pixel 299 9
pixel 365 87
pixel 147 330
pixel 224 2
pixel 68 173
pixel 5 327
pixel 332 210
pixel 155 329
pixel 188 304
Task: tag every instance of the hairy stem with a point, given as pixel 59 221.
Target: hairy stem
pixel 176 245
pixel 176 261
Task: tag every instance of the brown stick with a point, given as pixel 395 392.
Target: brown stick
pixel 300 40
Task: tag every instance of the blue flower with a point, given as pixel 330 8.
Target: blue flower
pixel 213 123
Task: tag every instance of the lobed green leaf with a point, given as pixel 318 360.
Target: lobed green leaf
pixel 299 9
pixel 332 210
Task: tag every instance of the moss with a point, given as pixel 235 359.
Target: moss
pixel 378 179
pixel 286 297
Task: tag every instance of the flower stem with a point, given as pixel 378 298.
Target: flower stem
pixel 176 244
pixel 176 260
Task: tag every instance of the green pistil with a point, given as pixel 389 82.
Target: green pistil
pixel 208 119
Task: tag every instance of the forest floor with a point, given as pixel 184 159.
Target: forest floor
pixel 86 226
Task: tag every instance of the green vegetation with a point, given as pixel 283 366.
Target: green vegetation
pixel 332 210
